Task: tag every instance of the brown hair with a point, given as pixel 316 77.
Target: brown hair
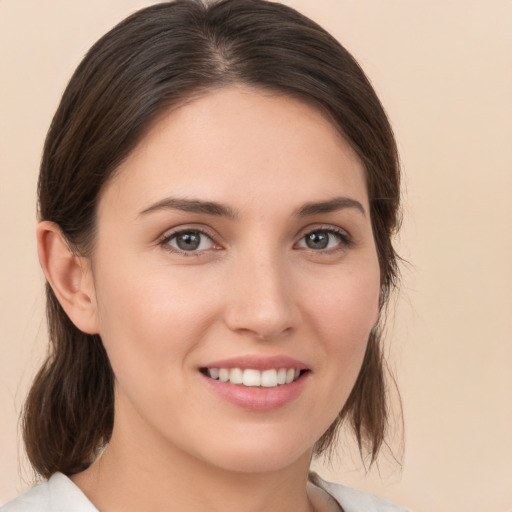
pixel 156 58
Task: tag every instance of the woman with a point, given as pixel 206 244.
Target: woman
pixel 218 192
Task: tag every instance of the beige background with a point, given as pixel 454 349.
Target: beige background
pixel 443 69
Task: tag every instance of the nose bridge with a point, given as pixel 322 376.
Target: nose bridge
pixel 261 301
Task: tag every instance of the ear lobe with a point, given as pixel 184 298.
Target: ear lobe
pixel 69 276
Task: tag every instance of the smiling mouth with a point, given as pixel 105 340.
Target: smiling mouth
pixel 251 377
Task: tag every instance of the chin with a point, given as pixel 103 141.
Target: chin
pixel 261 454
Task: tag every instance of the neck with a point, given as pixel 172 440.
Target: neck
pixel 144 473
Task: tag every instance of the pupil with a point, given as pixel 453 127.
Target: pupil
pixel 317 240
pixel 188 241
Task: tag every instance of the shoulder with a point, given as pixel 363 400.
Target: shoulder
pixel 353 500
pixel 58 494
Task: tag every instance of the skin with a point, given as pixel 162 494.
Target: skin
pixel 254 287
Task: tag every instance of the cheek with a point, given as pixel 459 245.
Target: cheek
pixel 150 325
pixel 348 307
pixel 344 318
pixel 153 318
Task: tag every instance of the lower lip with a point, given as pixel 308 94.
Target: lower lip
pixel 258 398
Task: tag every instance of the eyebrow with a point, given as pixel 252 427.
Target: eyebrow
pixel 192 206
pixel 220 210
pixel 331 205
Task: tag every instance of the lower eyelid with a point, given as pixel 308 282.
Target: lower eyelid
pixel 344 238
pixel 166 239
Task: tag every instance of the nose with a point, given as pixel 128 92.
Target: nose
pixel 261 299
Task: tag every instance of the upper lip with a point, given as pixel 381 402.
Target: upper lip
pixel 258 362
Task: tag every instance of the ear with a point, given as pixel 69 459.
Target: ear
pixel 69 276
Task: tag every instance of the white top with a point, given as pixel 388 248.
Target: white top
pixel 60 494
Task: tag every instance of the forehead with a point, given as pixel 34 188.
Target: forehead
pixel 240 144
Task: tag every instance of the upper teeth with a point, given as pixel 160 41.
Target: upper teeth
pixel 253 378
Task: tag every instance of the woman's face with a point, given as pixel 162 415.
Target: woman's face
pixel 235 243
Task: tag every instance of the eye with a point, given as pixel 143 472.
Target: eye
pixel 189 240
pixel 322 239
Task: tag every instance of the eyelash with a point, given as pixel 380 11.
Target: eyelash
pixel 345 240
pixel 165 241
